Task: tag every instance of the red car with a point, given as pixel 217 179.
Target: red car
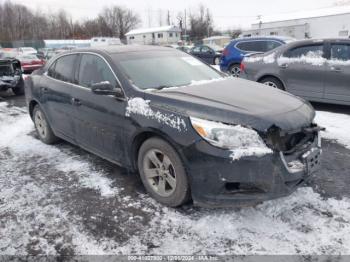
pixel 30 63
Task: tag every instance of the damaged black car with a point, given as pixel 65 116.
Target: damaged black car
pixel 191 132
pixel 11 76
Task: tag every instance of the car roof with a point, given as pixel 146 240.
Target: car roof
pixel 319 41
pixel 278 38
pixel 117 49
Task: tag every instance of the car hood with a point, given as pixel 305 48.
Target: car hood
pixel 237 101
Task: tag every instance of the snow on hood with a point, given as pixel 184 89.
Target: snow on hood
pixel 139 106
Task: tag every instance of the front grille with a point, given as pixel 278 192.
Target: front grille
pixel 289 142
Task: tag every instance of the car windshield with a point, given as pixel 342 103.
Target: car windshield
pixel 6 70
pixel 27 57
pixel 158 70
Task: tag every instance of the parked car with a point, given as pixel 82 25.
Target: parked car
pixel 190 131
pixel 27 50
pixel 208 54
pixel 235 51
pixel 30 63
pixel 318 70
pixel 186 49
pixel 11 76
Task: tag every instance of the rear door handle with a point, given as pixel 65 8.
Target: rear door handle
pixel 44 89
pixel 76 102
pixel 335 69
pixel 284 66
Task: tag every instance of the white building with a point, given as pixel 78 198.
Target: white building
pixel 331 22
pixel 165 35
pixel 105 41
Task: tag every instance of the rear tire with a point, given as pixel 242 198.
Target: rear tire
pixel 42 127
pixel 235 70
pixel 19 89
pixel 162 173
pixel 272 82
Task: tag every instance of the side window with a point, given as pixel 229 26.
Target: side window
pixel 256 46
pixel 196 49
pixel 93 69
pixel 205 49
pixel 64 68
pixel 270 45
pixel 245 46
pixel 340 52
pixel 307 51
pixel 51 71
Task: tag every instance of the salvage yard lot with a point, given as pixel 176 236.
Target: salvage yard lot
pixel 62 200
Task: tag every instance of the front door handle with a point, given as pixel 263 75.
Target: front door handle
pixel 44 89
pixel 335 69
pixel 284 66
pixel 76 102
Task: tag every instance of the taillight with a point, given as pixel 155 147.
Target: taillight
pixel 242 67
pixel 226 52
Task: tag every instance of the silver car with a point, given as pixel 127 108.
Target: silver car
pixel 318 70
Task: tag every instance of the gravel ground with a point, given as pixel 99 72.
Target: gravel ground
pixel 61 200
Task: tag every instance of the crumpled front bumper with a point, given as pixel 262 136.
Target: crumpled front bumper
pixel 4 85
pixel 217 181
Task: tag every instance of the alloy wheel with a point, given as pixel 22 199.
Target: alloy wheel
pixel 159 172
pixel 235 71
pixel 40 124
pixel 271 84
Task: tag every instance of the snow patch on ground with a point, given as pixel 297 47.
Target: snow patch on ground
pixel 33 217
pixel 139 106
pixel 337 126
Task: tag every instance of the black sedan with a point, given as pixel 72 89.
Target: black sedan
pixel 189 131
pixel 208 54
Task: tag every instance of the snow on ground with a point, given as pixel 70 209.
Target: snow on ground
pixel 56 200
pixel 337 126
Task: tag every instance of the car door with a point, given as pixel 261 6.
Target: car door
pixel 337 76
pixel 55 97
pixel 207 54
pixel 302 69
pixel 99 119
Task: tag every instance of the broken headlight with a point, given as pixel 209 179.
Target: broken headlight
pixel 227 136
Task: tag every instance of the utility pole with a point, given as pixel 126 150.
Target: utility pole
pixel 168 17
pixel 185 25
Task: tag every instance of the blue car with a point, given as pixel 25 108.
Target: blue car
pixel 235 51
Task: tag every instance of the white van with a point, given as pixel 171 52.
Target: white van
pixel 105 41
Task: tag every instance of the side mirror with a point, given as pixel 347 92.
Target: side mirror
pixel 105 88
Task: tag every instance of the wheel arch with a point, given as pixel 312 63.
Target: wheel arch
pixel 143 136
pixel 31 107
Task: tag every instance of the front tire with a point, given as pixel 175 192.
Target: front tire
pixel 42 127
pixel 162 173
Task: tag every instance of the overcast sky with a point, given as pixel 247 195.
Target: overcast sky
pixel 226 13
